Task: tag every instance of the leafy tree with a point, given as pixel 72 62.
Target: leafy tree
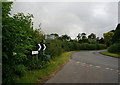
pixel 83 35
pixel 112 31
pixel 108 38
pixel 92 38
pixel 65 37
pixel 101 41
pixel 55 34
pixel 116 37
pixel 79 36
pixel 83 38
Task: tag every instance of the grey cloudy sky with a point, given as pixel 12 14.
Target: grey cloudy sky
pixel 71 17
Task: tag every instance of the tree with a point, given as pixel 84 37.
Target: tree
pixel 79 36
pixel 83 35
pixel 101 41
pixel 55 34
pixel 92 38
pixel 84 38
pixel 116 37
pixel 65 37
pixel 108 38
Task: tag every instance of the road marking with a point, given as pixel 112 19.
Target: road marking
pixel 87 66
pixel 78 62
pixel 83 64
pixel 90 65
pixel 107 68
pixel 97 66
pixel 117 70
pixel 111 69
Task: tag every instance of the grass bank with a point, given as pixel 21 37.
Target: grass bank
pixel 39 76
pixel 110 54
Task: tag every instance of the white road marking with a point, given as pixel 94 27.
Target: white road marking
pixel 97 66
pixel 107 68
pixel 90 65
pixel 83 64
pixel 87 66
pixel 111 69
pixel 78 62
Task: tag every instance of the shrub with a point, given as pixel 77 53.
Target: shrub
pixel 115 48
pixel 19 40
pixel 54 47
pixel 100 46
pixel 86 46
pixel 20 70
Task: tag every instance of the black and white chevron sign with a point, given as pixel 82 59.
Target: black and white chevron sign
pixel 41 47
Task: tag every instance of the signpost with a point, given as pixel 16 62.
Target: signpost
pixel 40 47
pixel 34 52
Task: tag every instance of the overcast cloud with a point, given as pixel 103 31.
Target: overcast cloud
pixel 71 18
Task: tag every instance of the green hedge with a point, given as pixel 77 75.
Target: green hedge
pixel 86 46
pixel 115 48
pixel 54 47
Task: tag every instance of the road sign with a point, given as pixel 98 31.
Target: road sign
pixel 44 46
pixel 34 52
pixel 39 47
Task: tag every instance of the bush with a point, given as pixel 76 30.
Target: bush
pixel 36 64
pixel 54 47
pixel 20 70
pixel 100 46
pixel 115 48
pixel 19 39
pixel 86 46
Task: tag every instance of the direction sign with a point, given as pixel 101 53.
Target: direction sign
pixel 39 47
pixel 34 52
pixel 44 46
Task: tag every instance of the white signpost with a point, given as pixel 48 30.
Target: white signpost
pixel 34 52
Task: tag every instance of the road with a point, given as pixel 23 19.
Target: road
pixel 88 67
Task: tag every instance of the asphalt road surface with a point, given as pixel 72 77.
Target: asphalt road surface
pixel 88 67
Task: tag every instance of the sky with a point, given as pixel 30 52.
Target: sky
pixel 71 18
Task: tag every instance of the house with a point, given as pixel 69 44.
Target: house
pixel 50 37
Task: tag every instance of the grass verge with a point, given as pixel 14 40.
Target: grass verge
pixel 39 76
pixel 110 54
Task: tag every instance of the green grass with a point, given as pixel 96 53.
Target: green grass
pixel 110 54
pixel 37 76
